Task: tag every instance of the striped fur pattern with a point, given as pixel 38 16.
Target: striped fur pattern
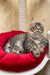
pixel 15 44
pixel 33 41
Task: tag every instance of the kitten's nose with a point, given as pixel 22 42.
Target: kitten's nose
pixel 38 28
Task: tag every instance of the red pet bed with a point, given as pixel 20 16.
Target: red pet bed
pixel 14 62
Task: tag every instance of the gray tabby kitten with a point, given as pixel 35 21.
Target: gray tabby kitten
pixel 33 41
pixel 15 44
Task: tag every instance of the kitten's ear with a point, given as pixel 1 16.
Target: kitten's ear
pixel 32 21
pixel 43 22
pixel 32 24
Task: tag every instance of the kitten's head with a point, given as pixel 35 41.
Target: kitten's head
pixel 36 27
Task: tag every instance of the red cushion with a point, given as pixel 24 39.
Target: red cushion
pixel 14 62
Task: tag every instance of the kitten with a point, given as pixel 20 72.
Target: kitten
pixel 15 44
pixel 33 41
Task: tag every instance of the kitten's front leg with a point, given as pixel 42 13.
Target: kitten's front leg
pixel 44 41
pixel 41 47
pixel 36 52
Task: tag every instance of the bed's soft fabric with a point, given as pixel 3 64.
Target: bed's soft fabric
pixel 14 62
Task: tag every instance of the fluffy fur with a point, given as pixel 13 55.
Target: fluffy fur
pixel 33 41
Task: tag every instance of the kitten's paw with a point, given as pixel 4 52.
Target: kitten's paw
pixel 36 53
pixel 41 50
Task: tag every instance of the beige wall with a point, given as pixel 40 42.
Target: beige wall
pixel 9 16
pixel 32 6
pixel 39 10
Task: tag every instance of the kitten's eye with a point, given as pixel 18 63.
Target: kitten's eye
pixel 40 30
